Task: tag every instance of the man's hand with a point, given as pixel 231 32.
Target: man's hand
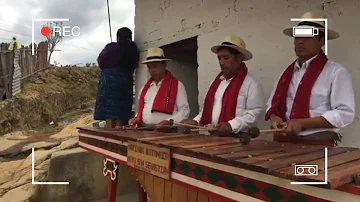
pixel 277 123
pixel 131 122
pixel 163 123
pixel 224 128
pixel 163 126
pixel 294 127
pixel 190 122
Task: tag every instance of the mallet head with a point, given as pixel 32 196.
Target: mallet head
pixel 187 130
pixel 245 139
pixel 171 122
pixel 254 132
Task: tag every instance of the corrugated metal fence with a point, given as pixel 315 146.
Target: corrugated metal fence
pixel 16 78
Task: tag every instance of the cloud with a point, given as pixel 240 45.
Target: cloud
pixel 90 16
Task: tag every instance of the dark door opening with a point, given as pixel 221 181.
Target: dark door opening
pixel 184 66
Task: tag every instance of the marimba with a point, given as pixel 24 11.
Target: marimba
pixel 174 167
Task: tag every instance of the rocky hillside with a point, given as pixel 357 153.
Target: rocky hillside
pixel 47 96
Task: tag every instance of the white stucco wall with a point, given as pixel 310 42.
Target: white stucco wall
pixel 260 23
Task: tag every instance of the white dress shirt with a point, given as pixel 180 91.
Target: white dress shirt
pixel 332 96
pixel 181 110
pixel 249 108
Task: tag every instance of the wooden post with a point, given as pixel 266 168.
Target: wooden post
pixel 4 74
pixel 112 188
pixel 111 168
pixel 142 194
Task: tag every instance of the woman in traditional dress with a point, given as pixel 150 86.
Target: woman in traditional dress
pixel 117 61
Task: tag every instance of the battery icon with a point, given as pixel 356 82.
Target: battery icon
pixel 305 31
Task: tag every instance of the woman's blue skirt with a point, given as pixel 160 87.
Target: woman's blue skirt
pixel 115 95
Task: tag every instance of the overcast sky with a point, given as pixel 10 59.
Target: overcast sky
pixel 90 15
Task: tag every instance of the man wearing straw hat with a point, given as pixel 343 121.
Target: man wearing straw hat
pixel 163 97
pixel 235 100
pixel 314 97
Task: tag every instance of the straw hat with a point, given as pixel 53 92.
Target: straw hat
pixel 154 55
pixel 236 43
pixel 318 24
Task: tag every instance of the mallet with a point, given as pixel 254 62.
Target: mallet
pixel 255 132
pixel 135 127
pixel 154 127
pixel 186 128
pixel 184 125
pixel 243 137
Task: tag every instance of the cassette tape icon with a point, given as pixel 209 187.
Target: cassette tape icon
pixel 306 170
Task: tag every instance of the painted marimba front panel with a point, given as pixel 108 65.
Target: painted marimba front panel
pixel 220 167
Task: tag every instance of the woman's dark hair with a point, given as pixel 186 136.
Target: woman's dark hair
pixel 124 33
pixel 130 54
pixel 123 54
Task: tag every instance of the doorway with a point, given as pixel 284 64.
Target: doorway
pixel 184 67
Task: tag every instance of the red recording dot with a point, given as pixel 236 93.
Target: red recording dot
pixel 45 31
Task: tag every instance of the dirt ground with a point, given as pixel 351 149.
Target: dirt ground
pixel 15 163
pixel 15 157
pixel 48 96
pixel 44 117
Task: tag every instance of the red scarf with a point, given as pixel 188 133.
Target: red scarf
pixel 165 99
pixel 229 99
pixel 300 108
